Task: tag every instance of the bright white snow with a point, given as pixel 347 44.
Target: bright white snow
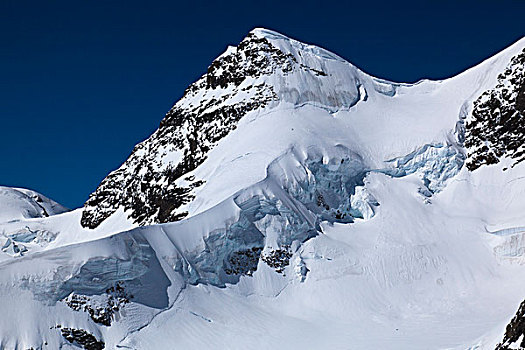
pixel 431 259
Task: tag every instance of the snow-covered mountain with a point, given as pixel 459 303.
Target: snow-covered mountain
pixel 290 200
pixel 19 203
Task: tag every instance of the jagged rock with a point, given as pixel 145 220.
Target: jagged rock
pixel 82 338
pixel 497 128
pixel 514 337
pixel 244 262
pixel 278 259
pixel 101 309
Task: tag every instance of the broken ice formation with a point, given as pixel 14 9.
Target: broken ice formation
pixel 133 263
pixel 434 163
pixel 279 214
pixel 13 248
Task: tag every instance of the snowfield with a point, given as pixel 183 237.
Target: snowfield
pixel 338 213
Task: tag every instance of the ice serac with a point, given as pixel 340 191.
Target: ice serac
pixel 266 69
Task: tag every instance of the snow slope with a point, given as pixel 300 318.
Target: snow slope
pixel 31 222
pixel 18 203
pixel 308 205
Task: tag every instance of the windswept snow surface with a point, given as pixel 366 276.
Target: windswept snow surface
pixel 19 203
pixel 339 215
pixel 31 222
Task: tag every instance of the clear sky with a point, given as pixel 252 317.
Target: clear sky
pixel 83 81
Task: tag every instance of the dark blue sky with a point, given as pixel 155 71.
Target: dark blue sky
pixel 83 81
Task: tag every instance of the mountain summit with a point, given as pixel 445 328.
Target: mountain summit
pixel 290 200
pixel 266 70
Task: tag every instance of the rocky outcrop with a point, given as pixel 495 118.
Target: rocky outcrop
pixel 82 338
pixel 243 262
pixel 514 337
pixel 497 128
pixel 278 259
pixel 101 308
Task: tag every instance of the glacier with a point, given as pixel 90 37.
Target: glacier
pixel 288 200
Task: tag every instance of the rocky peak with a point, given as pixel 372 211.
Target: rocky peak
pixel 155 182
pixel 253 57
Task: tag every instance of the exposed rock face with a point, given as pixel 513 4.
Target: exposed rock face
pixel 101 308
pixel 82 338
pixel 278 259
pixel 497 128
pixel 243 262
pixel 514 337
pixel 151 185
